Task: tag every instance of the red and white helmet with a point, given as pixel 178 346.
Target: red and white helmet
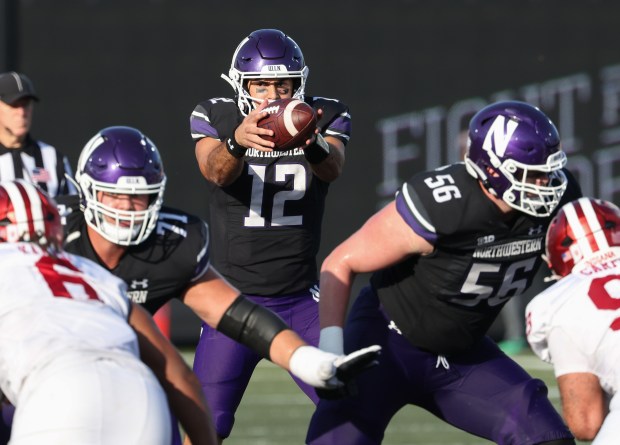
pixel 28 214
pixel 580 229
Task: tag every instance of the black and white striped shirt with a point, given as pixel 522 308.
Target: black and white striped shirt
pixel 39 163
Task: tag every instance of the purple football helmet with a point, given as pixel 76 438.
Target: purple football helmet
pixel 120 160
pixel 266 54
pixel 510 144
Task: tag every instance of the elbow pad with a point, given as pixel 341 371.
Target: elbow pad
pixel 251 325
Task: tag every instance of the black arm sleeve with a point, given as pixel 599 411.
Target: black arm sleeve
pixel 251 325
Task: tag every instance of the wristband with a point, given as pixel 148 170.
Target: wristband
pixel 317 152
pixel 233 147
pixel 331 340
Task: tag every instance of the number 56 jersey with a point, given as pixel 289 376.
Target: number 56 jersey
pixel 446 301
pixel 53 304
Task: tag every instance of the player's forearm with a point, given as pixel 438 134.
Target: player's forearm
pixel 330 168
pixel 216 164
pixel 187 401
pixel 180 384
pixel 283 346
pixel 335 285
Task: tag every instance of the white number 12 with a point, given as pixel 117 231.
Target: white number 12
pixel 256 218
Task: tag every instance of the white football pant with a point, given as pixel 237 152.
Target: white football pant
pixel 92 398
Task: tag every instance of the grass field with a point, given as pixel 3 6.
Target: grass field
pixel 274 412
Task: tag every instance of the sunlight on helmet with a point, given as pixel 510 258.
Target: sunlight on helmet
pixel 28 214
pixel 266 54
pixel 510 143
pixel 581 230
pixel 121 161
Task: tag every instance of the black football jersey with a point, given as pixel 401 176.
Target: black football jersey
pixel 158 269
pixel 266 226
pixel 446 301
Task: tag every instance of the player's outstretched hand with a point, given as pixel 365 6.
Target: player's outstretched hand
pixel 333 375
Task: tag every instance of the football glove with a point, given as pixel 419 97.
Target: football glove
pixel 329 371
pixel 348 367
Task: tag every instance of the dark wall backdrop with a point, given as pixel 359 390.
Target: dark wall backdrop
pixel 412 72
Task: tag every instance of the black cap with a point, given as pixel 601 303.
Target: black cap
pixel 15 86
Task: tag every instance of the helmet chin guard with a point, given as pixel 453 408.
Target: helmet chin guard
pixel 511 144
pixel 266 54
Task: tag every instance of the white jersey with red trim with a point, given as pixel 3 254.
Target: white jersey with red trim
pixel 575 324
pixel 52 304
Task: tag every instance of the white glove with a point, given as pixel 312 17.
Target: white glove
pixel 314 367
pixel 325 370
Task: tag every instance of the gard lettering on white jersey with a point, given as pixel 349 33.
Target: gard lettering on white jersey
pixel 499 135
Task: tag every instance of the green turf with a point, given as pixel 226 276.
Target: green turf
pixel 274 412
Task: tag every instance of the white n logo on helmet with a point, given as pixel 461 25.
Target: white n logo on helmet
pixel 499 135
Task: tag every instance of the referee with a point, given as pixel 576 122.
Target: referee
pixel 21 156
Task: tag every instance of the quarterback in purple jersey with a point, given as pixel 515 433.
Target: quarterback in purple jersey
pixel 452 248
pixel 266 207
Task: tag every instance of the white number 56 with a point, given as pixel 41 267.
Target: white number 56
pixel 443 188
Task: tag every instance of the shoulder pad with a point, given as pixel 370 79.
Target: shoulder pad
pixel 332 108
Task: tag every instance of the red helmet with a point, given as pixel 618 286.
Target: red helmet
pixel 28 214
pixel 580 229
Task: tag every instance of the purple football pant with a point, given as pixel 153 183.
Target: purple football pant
pixel 6 420
pixel 482 391
pixel 224 367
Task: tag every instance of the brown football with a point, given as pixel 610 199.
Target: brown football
pixel 292 121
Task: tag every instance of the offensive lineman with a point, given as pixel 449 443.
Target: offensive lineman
pixel 575 324
pixel 455 244
pixel 266 207
pixel 163 253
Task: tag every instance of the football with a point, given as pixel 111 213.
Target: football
pixel 292 121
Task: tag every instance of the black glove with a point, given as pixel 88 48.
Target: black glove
pixel 347 368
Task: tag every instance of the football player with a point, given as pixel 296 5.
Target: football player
pixel 266 207
pixel 452 248
pixel 575 324
pixel 71 343
pixel 119 221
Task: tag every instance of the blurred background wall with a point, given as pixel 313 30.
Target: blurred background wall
pixel 413 72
